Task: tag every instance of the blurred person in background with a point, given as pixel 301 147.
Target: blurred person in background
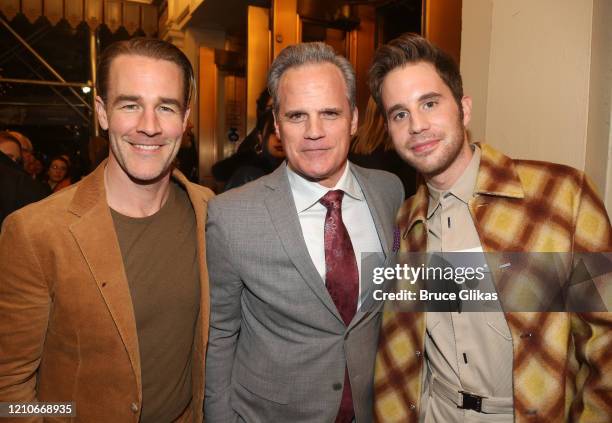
pixel 266 156
pixel 37 169
pixel 75 166
pixel 58 173
pixel 10 147
pixel 372 148
pixel 246 153
pixel 263 105
pixel 16 187
pixel 27 150
pixel 187 157
pixel 31 161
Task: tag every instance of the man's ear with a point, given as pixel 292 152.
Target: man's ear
pixel 466 105
pixel 101 113
pixel 354 121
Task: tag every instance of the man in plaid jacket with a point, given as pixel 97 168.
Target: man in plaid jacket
pixel 484 367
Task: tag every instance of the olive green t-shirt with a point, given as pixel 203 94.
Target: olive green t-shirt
pixel 161 264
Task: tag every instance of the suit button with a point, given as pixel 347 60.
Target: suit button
pixel 412 406
pixel 418 353
pixel 134 407
pixel 337 386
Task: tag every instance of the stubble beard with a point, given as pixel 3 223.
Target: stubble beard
pixel 448 150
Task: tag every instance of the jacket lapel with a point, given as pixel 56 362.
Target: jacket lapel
pixel 199 208
pixel 374 199
pixel 385 235
pixel 283 214
pixel 94 233
pixel 412 219
pixel 199 202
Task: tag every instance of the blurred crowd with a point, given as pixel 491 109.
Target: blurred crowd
pixel 55 172
pixel 22 179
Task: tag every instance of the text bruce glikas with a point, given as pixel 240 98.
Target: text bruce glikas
pixel 423 273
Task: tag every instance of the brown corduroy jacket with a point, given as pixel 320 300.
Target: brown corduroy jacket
pixel 67 326
pixel 562 362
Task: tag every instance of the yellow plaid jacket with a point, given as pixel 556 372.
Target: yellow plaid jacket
pixel 562 366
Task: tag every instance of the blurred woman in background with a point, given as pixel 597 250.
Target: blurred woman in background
pixel 58 173
pixel 372 148
pixel 266 156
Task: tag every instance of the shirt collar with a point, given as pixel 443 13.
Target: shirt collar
pixel 308 193
pixel 463 188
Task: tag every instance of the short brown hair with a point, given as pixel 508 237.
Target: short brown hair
pixel 306 54
pixel 409 49
pixel 147 47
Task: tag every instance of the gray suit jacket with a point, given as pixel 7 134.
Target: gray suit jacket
pixel 278 347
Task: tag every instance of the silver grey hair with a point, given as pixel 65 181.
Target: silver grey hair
pixel 305 54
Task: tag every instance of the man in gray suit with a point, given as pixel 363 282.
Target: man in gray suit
pixel 287 340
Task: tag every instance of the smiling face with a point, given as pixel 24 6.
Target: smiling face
pixel 425 123
pixel 315 122
pixel 144 115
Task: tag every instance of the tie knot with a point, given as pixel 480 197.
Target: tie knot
pixel 333 199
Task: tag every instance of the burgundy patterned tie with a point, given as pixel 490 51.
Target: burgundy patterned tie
pixel 341 279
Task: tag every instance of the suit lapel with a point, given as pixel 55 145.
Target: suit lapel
pixel 199 208
pixel 94 233
pixel 374 200
pixel 385 235
pixel 283 214
pixel 199 202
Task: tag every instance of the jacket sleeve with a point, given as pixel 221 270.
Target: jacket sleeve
pixel 24 313
pixel 225 319
pixel 592 332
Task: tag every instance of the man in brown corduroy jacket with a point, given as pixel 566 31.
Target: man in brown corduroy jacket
pixel 103 286
pixel 484 367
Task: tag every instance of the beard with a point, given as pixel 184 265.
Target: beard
pixel 435 162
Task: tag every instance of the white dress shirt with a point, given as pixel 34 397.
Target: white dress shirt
pixel 355 215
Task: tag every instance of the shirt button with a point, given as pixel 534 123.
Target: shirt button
pixel 412 406
pixel 134 407
pixel 418 353
pixel 337 386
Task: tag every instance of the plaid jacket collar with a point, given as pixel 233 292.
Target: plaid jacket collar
pixel 497 177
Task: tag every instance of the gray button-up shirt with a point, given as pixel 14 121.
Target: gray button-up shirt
pixel 470 350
